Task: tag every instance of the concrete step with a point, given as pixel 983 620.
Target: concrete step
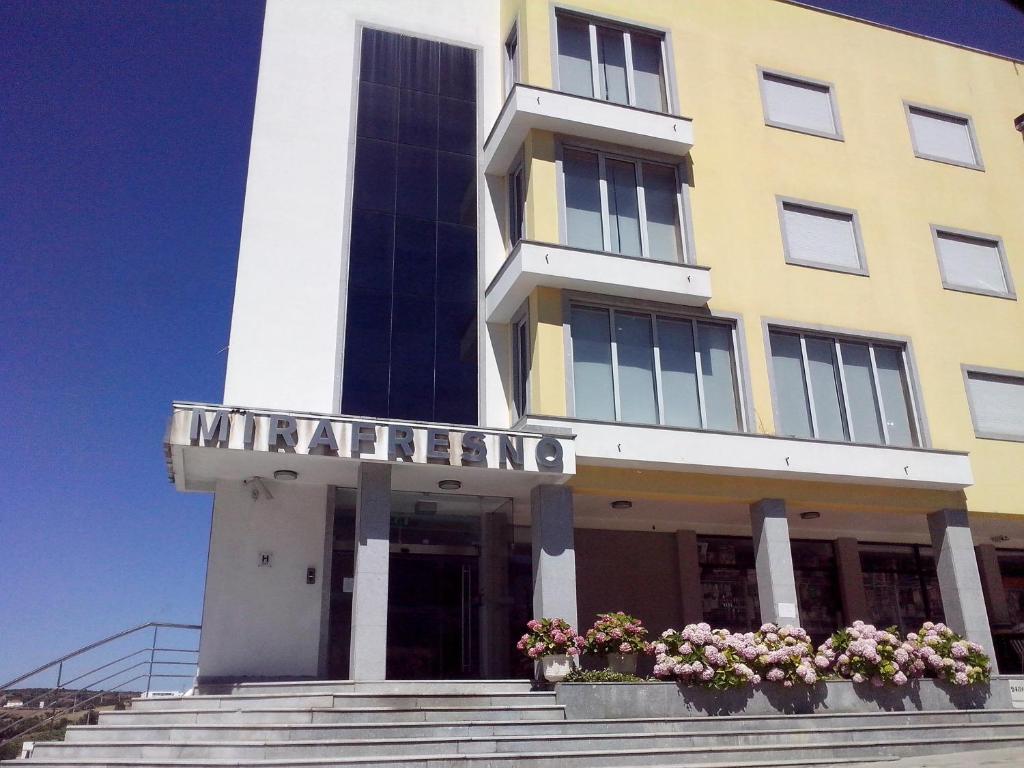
pixel 326 715
pixel 375 686
pixel 792 753
pixel 406 700
pixel 385 729
pixel 532 743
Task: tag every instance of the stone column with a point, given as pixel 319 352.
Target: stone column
pixel 691 597
pixel 959 581
pixel 554 554
pixel 992 585
pixel 851 581
pixel 776 583
pixel 495 638
pixel 368 654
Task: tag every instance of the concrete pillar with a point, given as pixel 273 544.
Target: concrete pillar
pixel 495 637
pixel 992 585
pixel 776 583
pixel 851 581
pixel 368 653
pixel 691 596
pixel 959 581
pixel 554 554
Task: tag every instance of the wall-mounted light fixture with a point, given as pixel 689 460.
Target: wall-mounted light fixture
pixel 1018 122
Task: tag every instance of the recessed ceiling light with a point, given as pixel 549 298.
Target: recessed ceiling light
pixel 810 515
pixel 450 485
pixel 622 504
pixel 286 474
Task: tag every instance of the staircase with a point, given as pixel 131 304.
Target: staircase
pixel 489 724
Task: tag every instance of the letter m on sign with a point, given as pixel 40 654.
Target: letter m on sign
pixel 214 431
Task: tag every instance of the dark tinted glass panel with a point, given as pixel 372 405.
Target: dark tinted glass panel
pixel 415 255
pixel 375 176
pixel 416 189
pixel 458 73
pixel 456 189
pixel 372 251
pixel 380 51
pixel 417 119
pixel 419 63
pixel 378 111
pixel 457 126
pixel 456 251
pixel 410 345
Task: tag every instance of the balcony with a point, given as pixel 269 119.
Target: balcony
pixel 529 108
pixel 748 455
pixel 532 265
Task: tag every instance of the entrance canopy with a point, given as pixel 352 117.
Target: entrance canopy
pixel 207 443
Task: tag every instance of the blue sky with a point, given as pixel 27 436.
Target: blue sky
pixel 124 132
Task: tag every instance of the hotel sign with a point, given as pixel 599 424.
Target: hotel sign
pixel 218 427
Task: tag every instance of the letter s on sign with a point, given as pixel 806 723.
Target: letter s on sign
pixel 474 449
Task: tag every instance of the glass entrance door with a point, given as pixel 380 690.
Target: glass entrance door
pixel 432 615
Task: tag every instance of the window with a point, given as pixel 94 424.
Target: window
pixel 997 403
pixel 647 368
pixel 613 63
pixel 798 104
pixel 820 236
pixel 511 69
pixel 901 585
pixel 943 136
pixel 626 206
pixel 973 263
pixel 520 364
pixel 842 389
pixel 516 205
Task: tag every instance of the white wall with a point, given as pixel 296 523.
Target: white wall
pixel 265 621
pixel 287 329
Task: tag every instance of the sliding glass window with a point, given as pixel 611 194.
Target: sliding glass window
pixel 647 368
pixel 617 64
pixel 842 389
pixel 622 205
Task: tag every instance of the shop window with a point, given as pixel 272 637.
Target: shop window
pixel 901 585
pixel 817 587
pixel 1011 568
pixel 729 583
pixel 853 390
pixel 614 63
pixel 647 368
pixel 622 205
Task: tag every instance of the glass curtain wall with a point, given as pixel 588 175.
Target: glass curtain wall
pixel 410 341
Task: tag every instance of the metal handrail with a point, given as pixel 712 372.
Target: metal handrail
pixel 152 648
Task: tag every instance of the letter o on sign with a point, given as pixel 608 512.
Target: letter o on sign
pixel 549 453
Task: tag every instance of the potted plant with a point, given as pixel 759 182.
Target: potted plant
pixel 620 638
pixel 555 644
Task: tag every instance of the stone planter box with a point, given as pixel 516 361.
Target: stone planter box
pixel 655 699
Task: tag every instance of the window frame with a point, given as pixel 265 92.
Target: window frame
pixel 918 419
pixel 781 201
pixel 627 27
pixel 606 152
pixel 911 106
pixel 741 381
pixel 511 64
pixel 1000 373
pixel 1010 293
pixel 513 212
pixel 762 72
pixel 520 321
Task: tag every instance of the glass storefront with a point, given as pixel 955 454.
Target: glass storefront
pixel 435 584
pixel 729 584
pixel 901 585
